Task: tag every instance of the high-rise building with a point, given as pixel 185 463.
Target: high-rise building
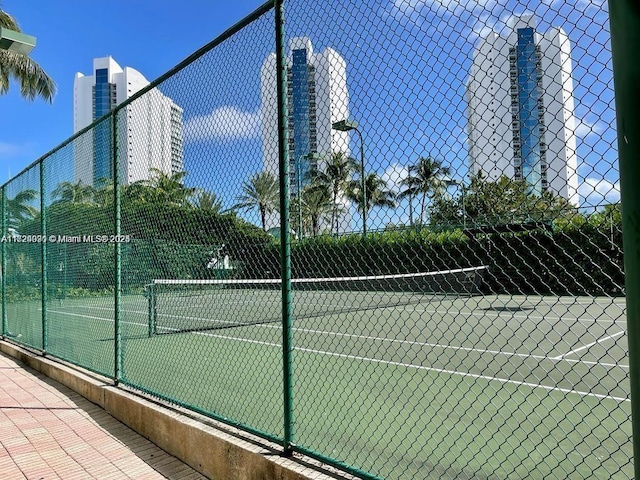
pixel 521 109
pixel 317 97
pixel 149 129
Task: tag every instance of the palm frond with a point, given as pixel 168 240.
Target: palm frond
pixel 33 80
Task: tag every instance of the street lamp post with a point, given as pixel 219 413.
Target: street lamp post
pixel 16 42
pixel 346 126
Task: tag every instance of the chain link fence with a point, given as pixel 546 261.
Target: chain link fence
pixel 386 235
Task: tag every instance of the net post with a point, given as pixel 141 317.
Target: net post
pixel 3 250
pixel 43 245
pixel 151 292
pixel 117 260
pixel 624 18
pixel 285 240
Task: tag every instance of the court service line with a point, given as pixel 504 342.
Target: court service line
pixel 468 374
pixel 466 349
pixel 584 347
pixel 565 300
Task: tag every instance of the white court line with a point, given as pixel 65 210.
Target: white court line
pixel 94 318
pixel 524 316
pixel 401 342
pixel 240 339
pixel 584 347
pixel 387 362
pixel 453 347
pixel 467 374
pixel 145 312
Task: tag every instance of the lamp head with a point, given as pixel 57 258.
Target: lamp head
pixel 16 42
pixel 345 125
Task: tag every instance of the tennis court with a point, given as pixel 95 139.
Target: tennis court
pixel 418 383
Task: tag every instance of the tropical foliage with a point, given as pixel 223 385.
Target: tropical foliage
pixel 377 193
pixel 426 178
pixel 261 193
pixel 20 208
pixel 317 207
pixel 335 178
pixel 174 228
pixel 208 201
pixel 164 188
pixel 502 202
pixel 74 192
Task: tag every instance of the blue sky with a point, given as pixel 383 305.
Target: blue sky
pixel 151 36
pixel 407 64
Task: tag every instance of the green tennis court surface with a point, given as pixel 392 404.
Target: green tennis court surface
pixel 420 386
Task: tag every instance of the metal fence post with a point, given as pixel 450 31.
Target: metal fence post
pixel 285 240
pixel 117 372
pixel 43 244
pixel 3 277
pixel 625 41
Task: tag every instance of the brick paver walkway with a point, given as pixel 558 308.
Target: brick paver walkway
pixel 49 432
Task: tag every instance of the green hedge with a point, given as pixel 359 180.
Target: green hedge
pixel 577 258
pixel 574 260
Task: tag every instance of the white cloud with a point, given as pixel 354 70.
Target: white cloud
pixel 9 149
pixel 579 4
pixel 584 128
pixel 393 175
pixel 502 26
pixel 406 6
pixel 414 9
pixel 482 29
pixel 585 4
pixel 224 123
pixel 596 191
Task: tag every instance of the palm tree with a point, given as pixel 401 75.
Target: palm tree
pixel 137 192
pixel 316 206
pixel 73 192
pixel 169 188
pixel 336 177
pixel 19 210
pixel 103 194
pixel 32 78
pixel 208 201
pixel 425 177
pixel 378 195
pixel 261 192
pixel 161 188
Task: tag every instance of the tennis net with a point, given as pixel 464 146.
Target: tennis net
pixel 177 305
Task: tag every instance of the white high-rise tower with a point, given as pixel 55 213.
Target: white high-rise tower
pixel 149 129
pixel 317 97
pixel 520 109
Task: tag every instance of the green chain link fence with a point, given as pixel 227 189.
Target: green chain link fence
pixel 386 235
